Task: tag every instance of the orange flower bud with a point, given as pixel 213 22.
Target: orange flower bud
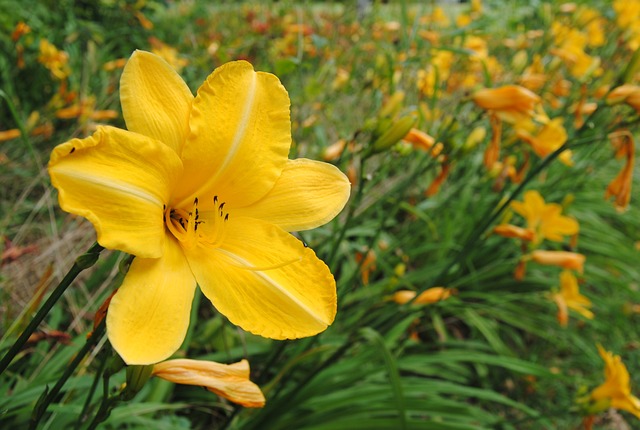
pixel 510 102
pixel 9 134
pixel 419 139
pixel 230 381
pixel 429 296
pixel 629 94
pixel 508 230
pixel 564 259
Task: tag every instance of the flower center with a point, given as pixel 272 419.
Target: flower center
pixel 194 226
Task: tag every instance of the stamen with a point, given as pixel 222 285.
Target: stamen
pixel 191 237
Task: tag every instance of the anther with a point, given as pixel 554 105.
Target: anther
pixel 226 217
pixel 195 202
pixel 215 200
pixel 222 205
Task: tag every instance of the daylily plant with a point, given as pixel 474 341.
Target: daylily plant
pixel 200 191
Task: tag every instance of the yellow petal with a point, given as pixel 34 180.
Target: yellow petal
pixel 230 381
pixel 240 136
pixel 119 181
pixel 308 194
pixel 155 100
pixel 149 315
pixel 265 281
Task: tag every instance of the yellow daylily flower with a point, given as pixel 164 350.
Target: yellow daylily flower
pixel 616 389
pixel 551 136
pixel 200 190
pixel 230 381
pixel 544 219
pixel 569 297
pixel 54 59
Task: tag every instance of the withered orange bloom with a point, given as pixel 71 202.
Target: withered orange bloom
pixel 367 264
pixel 620 187
pixel 492 153
pixel 512 103
pixel 230 381
pixel 434 187
pixel 513 231
pixel 334 151
pixel 564 259
pixel 430 295
pixel 629 94
pixel 20 29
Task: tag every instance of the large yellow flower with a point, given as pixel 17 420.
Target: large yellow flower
pixel 200 190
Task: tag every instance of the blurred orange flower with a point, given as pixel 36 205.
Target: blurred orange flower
pixel 564 259
pixel 544 219
pixel 54 60
pixel 512 103
pixel 615 392
pixel 629 94
pixel 551 137
pixel 569 297
pixel 515 232
pixel 620 187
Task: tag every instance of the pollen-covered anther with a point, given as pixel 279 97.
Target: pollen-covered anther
pixel 220 208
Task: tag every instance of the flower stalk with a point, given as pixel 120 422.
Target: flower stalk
pixel 83 262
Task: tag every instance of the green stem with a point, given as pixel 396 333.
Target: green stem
pixel 83 262
pixel 92 390
pixel 41 406
pixel 347 221
pixel 107 404
pixel 492 214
